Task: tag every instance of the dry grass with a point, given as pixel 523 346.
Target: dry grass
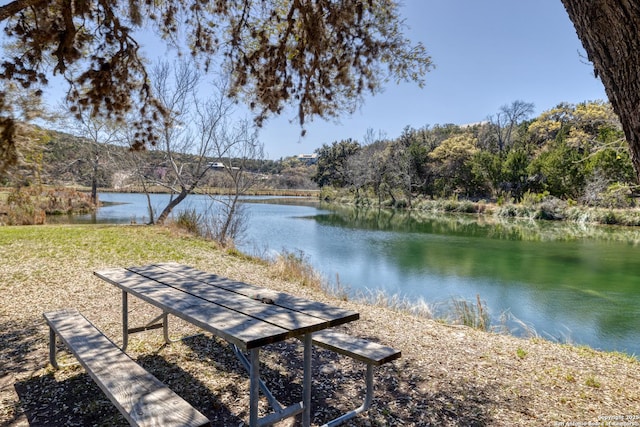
pixel 447 376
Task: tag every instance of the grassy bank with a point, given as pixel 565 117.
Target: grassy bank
pixel 448 375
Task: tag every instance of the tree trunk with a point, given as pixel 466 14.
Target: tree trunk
pixel 610 33
pixel 172 204
pixel 94 179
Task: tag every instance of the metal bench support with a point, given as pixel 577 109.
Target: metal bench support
pixel 368 399
pixel 256 384
pixel 154 323
pixel 370 353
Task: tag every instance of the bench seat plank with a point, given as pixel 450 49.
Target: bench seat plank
pixel 142 398
pixel 366 351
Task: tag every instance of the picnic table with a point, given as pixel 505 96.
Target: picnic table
pixel 247 316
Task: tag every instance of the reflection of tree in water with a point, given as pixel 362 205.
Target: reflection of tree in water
pixel 566 273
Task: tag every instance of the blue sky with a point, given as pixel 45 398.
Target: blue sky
pixel 487 54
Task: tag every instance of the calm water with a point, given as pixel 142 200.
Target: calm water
pixel 582 290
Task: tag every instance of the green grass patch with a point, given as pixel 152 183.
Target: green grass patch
pixel 99 245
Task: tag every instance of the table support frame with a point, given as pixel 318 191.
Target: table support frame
pixel 252 365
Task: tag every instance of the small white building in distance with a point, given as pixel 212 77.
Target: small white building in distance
pixel 309 159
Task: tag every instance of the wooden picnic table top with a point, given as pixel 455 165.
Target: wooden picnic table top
pixel 243 314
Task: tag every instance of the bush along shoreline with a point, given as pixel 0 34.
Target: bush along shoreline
pixel 32 205
pixel 532 207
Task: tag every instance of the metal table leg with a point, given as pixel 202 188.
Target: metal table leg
pixel 306 381
pixel 125 320
pixel 254 386
pixel 279 413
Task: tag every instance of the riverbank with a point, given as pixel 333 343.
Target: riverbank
pixel 531 207
pixel 448 374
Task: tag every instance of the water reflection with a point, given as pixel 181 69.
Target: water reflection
pixel 552 276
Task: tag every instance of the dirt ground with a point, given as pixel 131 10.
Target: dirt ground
pixel 448 375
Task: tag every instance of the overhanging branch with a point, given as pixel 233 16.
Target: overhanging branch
pixel 16 6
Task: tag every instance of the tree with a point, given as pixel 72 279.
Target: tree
pixel 608 30
pixel 177 93
pixel 319 56
pixel 560 169
pixel 453 158
pixel 100 133
pixel 487 169
pixel 333 168
pixel 396 171
pixel 22 157
pixel 237 146
pixel 506 121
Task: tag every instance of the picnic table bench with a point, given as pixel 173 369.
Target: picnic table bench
pixel 247 316
pixel 368 352
pixel 141 398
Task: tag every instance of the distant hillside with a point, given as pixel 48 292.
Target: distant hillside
pixel 69 160
pixel 62 159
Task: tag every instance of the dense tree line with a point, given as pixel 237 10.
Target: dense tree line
pixel 572 152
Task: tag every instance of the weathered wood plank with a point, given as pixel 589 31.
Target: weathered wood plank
pixel 334 315
pixel 142 398
pixel 244 331
pixel 252 305
pixel 357 348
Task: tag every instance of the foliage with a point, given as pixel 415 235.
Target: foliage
pixel 332 162
pixel 570 152
pixel 295 267
pixel 30 205
pixel 320 56
pixel 471 314
pixel 189 220
pixel 560 171
pixel 454 168
pixel 22 209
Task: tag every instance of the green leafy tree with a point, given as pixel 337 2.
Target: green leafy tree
pixel 560 170
pixel 514 172
pixel 487 170
pixel 454 168
pixel 395 172
pixel 333 166
pixel 416 144
pixel 614 164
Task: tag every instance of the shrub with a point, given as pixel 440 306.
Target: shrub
pixel 617 196
pixel 470 314
pixel 552 209
pixel 295 267
pixel 23 210
pixel 190 221
pixel 29 206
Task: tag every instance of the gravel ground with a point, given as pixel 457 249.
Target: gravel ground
pixel 448 375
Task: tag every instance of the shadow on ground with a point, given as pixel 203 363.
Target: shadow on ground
pixel 402 395
pixel 77 400
pixel 205 372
